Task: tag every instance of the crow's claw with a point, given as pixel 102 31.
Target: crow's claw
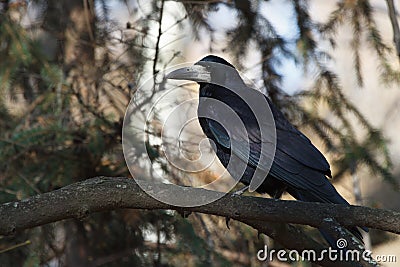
pixel 241 191
pixel 227 219
pixel 184 213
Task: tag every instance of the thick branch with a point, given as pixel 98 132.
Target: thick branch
pixel 102 194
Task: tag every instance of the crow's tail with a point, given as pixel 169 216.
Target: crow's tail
pixel 335 198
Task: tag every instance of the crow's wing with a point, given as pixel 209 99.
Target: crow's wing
pixel 297 161
pixel 243 140
pixel 248 151
pixel 296 145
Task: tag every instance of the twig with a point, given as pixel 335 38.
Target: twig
pixel 395 25
pixel 158 39
pixel 27 242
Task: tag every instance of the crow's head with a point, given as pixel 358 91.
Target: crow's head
pixel 206 70
pixel 216 59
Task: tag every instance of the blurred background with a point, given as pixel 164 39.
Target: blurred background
pixel 68 70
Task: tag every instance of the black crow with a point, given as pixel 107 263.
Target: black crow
pixel 298 167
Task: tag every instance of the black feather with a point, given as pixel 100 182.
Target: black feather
pixel 298 166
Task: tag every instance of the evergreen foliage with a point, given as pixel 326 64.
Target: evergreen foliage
pixel 63 94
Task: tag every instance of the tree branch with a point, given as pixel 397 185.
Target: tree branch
pixel 103 194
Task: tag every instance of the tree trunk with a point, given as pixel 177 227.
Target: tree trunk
pixel 71 23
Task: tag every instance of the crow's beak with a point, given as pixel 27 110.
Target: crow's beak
pixel 194 73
